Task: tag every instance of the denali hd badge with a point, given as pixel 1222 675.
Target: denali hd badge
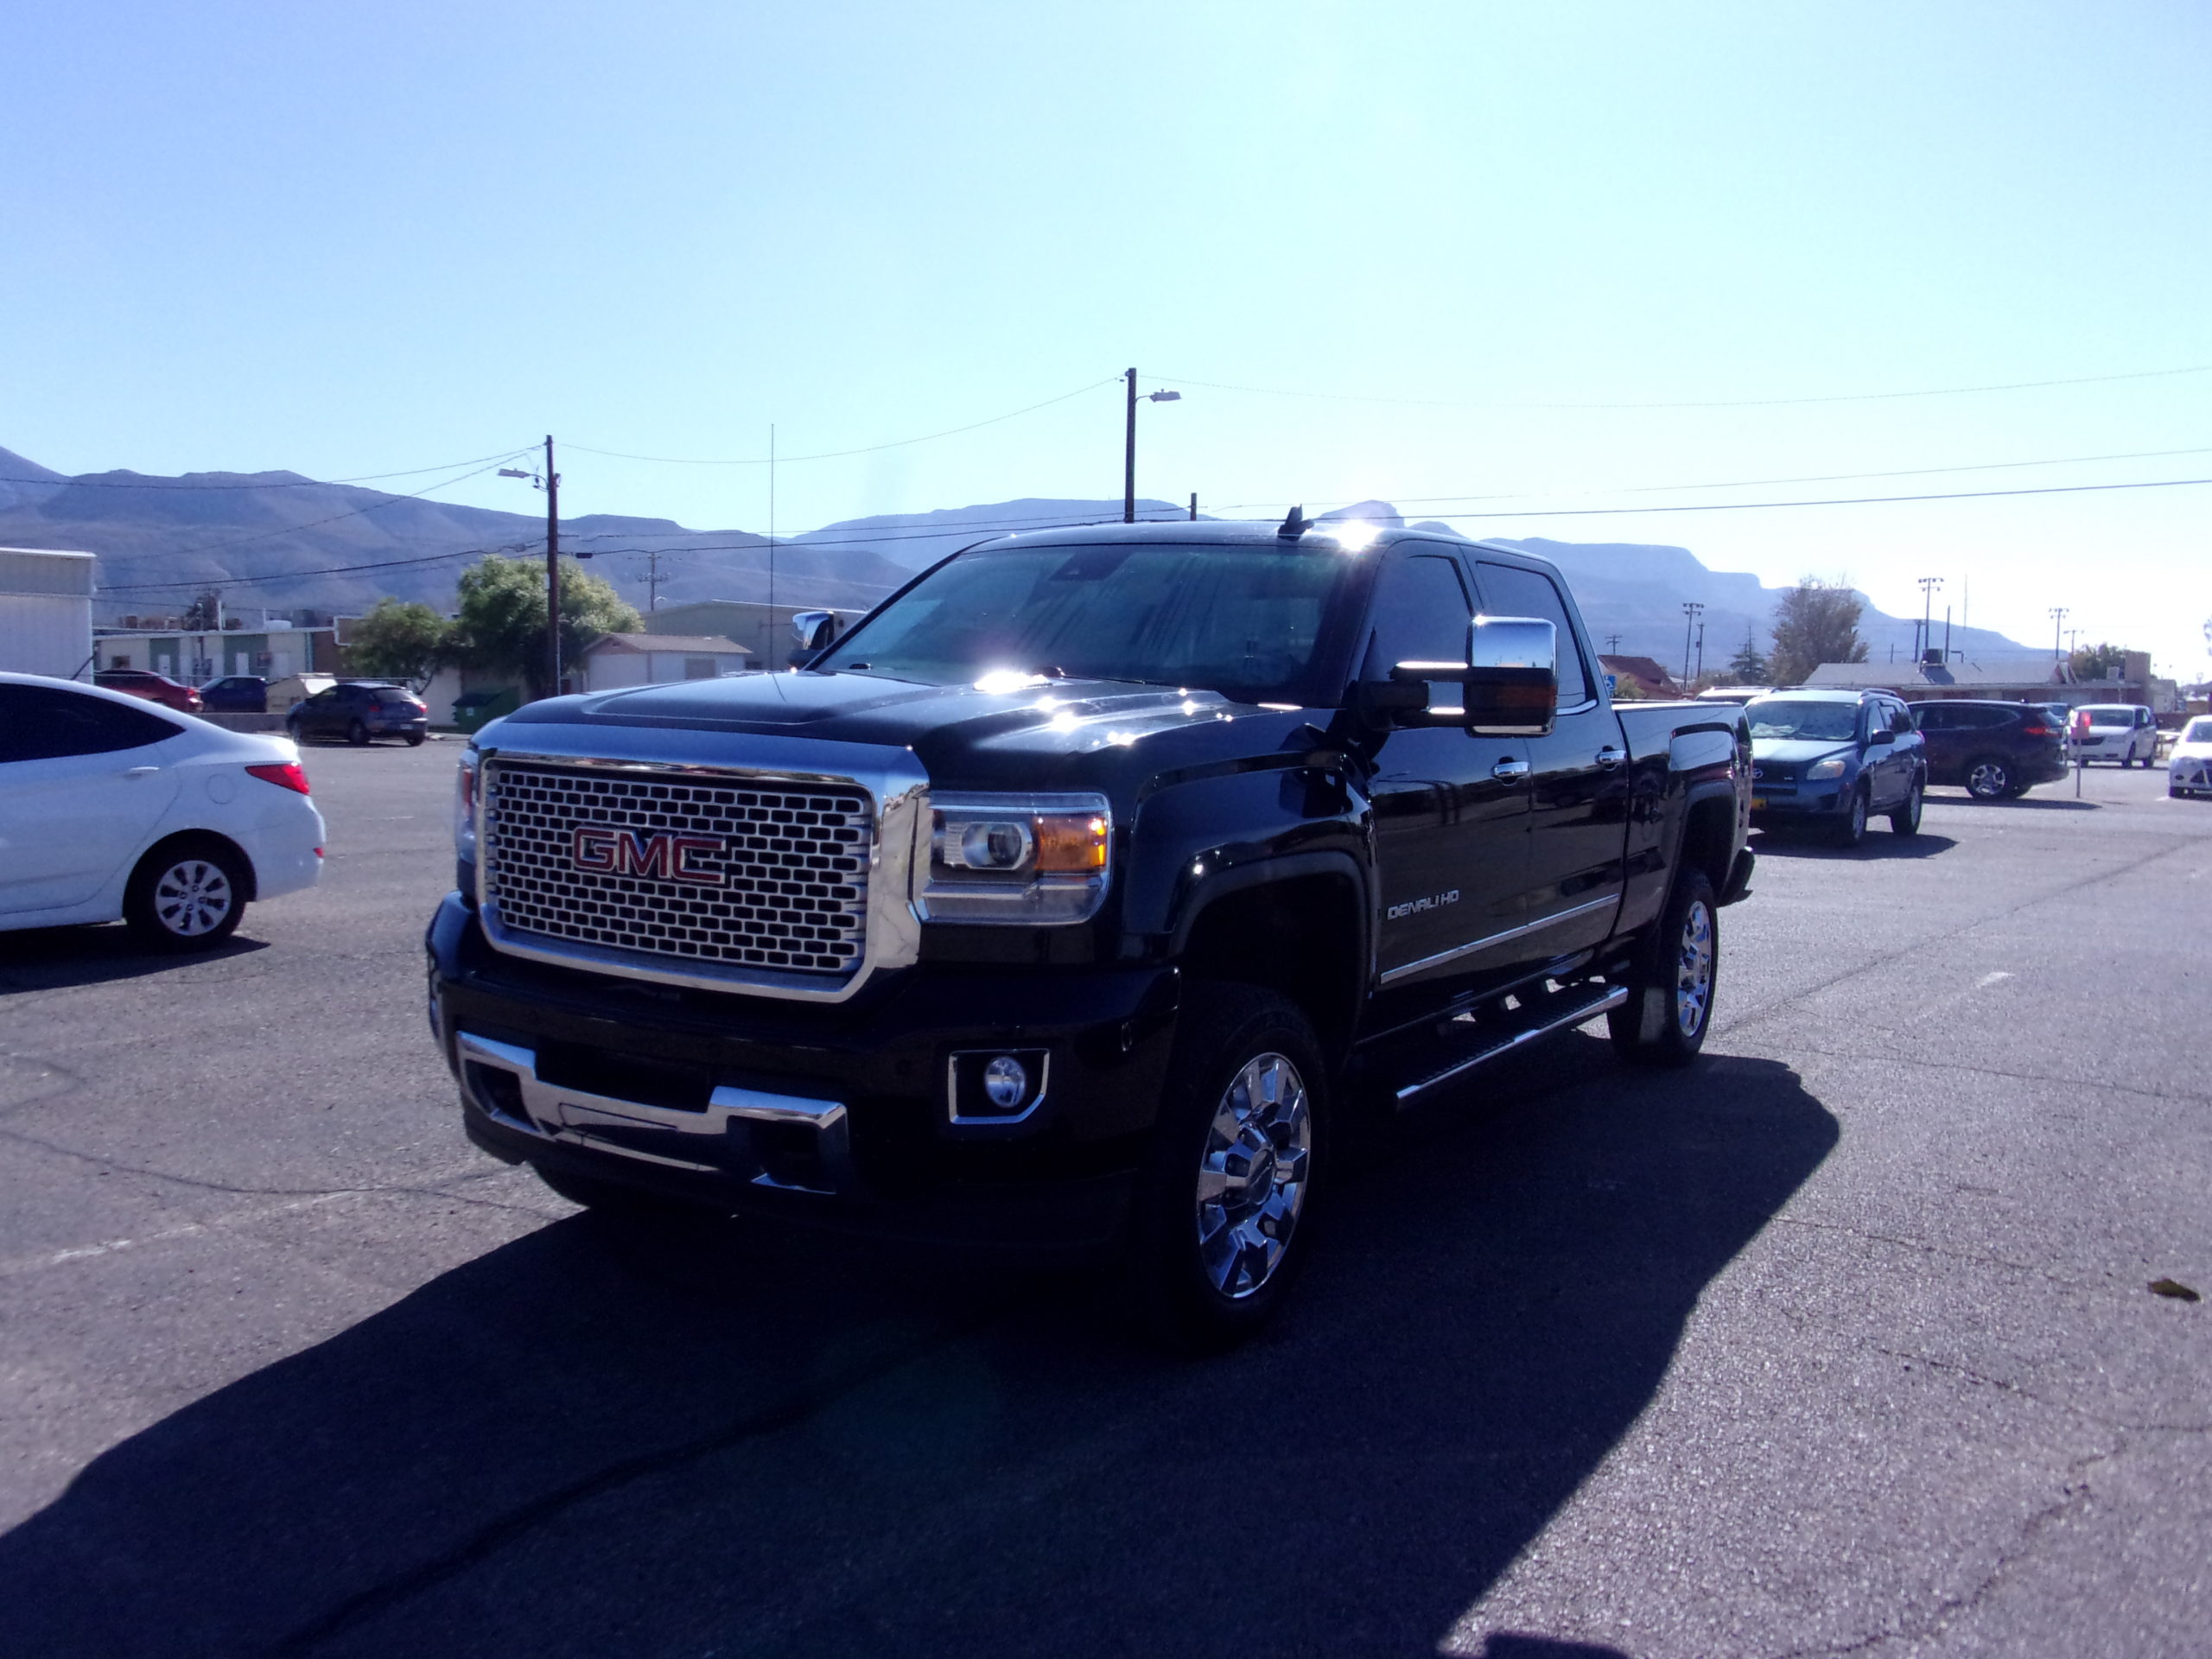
pixel 663 855
pixel 1413 906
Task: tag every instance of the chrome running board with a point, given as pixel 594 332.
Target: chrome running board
pixel 1579 1007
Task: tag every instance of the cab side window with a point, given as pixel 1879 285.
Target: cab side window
pixel 1419 615
pixel 1509 591
pixel 1900 719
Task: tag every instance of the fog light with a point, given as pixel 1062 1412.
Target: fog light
pixel 1006 1082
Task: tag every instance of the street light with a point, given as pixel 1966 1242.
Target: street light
pixel 1928 587
pixel 1129 446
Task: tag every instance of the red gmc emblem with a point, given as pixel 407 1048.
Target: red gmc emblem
pixel 664 856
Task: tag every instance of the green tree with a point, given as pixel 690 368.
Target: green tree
pixel 204 613
pixel 1749 666
pixel 500 627
pixel 1815 622
pixel 2090 662
pixel 398 641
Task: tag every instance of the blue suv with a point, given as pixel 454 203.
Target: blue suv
pixel 1833 759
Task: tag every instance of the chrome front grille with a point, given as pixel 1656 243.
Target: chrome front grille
pixel 712 872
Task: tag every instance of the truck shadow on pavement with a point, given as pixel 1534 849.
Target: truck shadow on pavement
pixel 1881 844
pixel 594 1442
pixel 53 958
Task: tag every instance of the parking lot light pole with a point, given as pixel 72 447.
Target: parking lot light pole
pixel 1928 587
pixel 1129 445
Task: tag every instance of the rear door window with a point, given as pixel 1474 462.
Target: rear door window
pixel 39 722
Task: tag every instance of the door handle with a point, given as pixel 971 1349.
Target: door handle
pixel 140 772
pixel 1609 756
pixel 1507 771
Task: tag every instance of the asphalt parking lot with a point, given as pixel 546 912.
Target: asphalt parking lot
pixel 1841 1342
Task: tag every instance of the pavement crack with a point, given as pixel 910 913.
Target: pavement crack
pixel 496 1534
pixel 1927 1248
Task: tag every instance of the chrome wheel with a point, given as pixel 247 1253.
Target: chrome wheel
pixel 1252 1176
pixel 1694 970
pixel 192 897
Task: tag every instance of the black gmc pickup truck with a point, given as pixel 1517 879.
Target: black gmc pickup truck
pixel 1090 891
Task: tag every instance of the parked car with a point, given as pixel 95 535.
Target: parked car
pixel 1995 751
pixel 155 688
pixel 2189 768
pixel 2124 733
pixel 108 810
pixel 357 711
pixel 236 694
pixel 1833 759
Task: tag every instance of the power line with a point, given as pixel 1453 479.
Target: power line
pixel 867 450
pixel 326 570
pixel 108 482
pixel 1715 403
pixel 292 530
pixel 1838 501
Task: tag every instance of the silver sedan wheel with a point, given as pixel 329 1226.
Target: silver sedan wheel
pixel 1252 1178
pixel 1694 970
pixel 192 897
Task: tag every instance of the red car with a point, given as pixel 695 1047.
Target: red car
pixel 155 688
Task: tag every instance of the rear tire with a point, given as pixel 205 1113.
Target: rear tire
pixel 1223 1211
pixel 357 734
pixel 293 728
pixel 187 895
pixel 1906 821
pixel 1989 777
pixel 1669 1006
pixel 414 740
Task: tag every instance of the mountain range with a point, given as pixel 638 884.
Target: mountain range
pixel 284 542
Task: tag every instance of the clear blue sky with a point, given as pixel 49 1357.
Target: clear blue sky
pixel 343 240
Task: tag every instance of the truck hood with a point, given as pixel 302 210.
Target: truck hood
pixel 1025 729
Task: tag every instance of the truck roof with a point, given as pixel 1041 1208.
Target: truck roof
pixel 1364 534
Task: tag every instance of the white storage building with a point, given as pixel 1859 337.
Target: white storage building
pixel 46 612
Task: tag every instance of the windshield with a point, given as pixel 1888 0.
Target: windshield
pixel 1245 622
pixel 1817 722
pixel 2200 731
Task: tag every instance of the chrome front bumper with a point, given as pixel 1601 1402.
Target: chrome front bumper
pixel 790 1142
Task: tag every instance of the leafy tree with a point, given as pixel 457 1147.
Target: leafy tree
pixel 1815 622
pixel 399 641
pixel 204 613
pixel 2090 662
pixel 1748 666
pixel 500 628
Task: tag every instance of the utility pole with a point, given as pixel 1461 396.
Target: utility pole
pixel 653 556
pixel 1691 609
pixel 2057 632
pixel 1928 587
pixel 1612 644
pixel 1194 506
pixel 552 565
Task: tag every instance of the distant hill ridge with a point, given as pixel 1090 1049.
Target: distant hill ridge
pixel 290 538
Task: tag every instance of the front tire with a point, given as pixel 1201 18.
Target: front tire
pixel 414 740
pixel 1906 821
pixel 1223 1206
pixel 1669 1008
pixel 1851 829
pixel 357 734
pixel 1988 778
pixel 187 896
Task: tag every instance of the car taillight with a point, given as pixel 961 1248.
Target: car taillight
pixel 2036 731
pixel 288 774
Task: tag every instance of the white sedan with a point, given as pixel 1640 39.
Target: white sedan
pixel 2189 768
pixel 111 806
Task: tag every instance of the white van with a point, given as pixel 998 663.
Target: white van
pixel 2122 732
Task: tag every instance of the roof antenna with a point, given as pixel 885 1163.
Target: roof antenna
pixel 1294 527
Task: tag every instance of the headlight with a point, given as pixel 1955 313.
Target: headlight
pixel 1831 767
pixel 1017 858
pixel 464 806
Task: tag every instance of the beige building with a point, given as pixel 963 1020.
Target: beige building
pixel 764 631
pixel 613 660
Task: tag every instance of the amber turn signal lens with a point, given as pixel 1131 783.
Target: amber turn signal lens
pixel 1073 845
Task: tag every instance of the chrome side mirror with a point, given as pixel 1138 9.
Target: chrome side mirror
pixel 1509 685
pixel 814 629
